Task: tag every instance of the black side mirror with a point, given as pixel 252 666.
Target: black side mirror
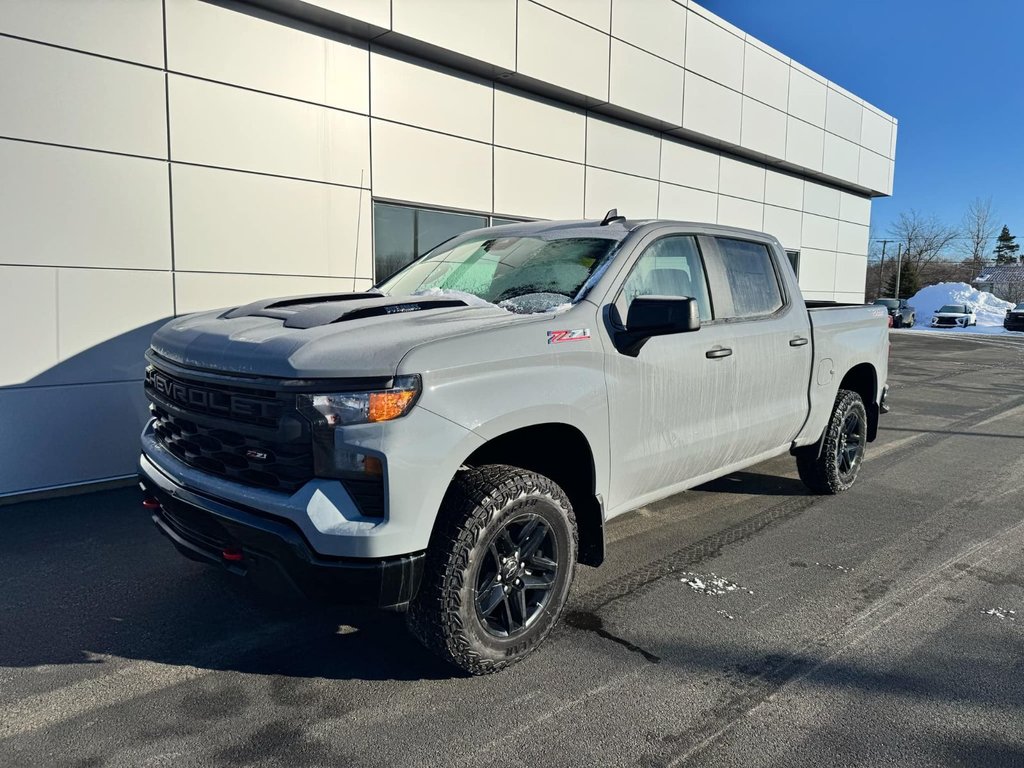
pixel 656 316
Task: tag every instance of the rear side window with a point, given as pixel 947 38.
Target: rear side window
pixel 751 277
pixel 670 266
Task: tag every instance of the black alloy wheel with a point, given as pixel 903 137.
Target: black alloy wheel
pixel 851 445
pixel 515 579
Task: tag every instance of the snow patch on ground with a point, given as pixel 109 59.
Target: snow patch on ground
pixel 834 567
pixel 710 584
pixel 1002 613
pixel 989 309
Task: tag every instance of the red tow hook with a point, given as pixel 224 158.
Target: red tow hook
pixel 231 554
pixel 150 503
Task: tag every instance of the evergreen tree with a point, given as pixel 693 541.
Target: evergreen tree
pixel 1006 247
pixel 910 283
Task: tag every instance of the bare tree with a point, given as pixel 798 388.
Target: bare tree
pixel 925 239
pixel 979 227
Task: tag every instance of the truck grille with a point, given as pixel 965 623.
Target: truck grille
pixel 250 436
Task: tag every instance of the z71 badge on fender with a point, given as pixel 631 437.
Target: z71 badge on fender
pixel 577 334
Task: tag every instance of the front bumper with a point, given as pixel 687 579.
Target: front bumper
pixel 273 553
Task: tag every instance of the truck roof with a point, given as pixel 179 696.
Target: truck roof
pixel 615 230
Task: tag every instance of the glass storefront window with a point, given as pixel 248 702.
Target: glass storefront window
pixel 403 233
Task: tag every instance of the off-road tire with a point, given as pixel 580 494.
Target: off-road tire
pixel 819 464
pixel 479 503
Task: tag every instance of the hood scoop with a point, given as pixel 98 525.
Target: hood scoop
pixel 283 308
pixel 301 312
pixel 379 307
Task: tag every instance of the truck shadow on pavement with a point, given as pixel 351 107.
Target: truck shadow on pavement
pixel 88 580
pixel 756 484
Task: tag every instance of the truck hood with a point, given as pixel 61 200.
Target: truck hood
pixel 335 336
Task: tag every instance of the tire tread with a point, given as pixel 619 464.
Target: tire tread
pixel 474 498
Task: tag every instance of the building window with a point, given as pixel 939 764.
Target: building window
pixel 402 233
pixel 794 260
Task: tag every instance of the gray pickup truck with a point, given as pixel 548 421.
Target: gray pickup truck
pixel 453 441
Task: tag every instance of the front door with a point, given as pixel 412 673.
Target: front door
pixel 667 405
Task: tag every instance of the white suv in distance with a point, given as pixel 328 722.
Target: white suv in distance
pixel 954 316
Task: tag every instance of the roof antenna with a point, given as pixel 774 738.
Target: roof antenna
pixel 612 215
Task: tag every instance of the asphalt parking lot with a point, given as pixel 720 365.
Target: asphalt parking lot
pixel 873 628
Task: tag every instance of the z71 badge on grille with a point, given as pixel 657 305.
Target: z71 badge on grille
pixel 577 334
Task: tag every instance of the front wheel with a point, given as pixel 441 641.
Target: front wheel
pixel 498 569
pixel 831 465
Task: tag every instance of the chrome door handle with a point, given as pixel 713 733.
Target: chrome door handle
pixel 799 341
pixel 718 352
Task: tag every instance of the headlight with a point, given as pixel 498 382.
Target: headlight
pixel 346 408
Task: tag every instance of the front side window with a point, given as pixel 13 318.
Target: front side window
pixel 520 273
pixel 751 277
pixel 670 266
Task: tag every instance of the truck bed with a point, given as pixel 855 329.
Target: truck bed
pixel 841 335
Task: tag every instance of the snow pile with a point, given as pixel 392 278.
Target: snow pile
pixel 710 584
pixel 990 310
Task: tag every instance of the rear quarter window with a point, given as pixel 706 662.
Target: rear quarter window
pixel 750 276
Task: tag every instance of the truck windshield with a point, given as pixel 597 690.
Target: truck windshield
pixel 521 274
pixel 954 309
pixel 890 303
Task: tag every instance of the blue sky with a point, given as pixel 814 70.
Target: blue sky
pixel 952 73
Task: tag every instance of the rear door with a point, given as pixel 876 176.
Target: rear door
pixel 770 343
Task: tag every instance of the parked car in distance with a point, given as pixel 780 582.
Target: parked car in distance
pixel 451 442
pixel 900 311
pixel 1014 320
pixel 954 316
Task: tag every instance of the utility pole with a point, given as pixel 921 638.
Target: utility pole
pixel 899 268
pixel 881 267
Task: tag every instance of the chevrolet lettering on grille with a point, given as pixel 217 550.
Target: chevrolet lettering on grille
pixel 211 401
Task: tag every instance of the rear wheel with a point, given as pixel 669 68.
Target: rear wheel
pixel 831 465
pixel 498 570
pixel 913 321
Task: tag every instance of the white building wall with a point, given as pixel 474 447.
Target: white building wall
pixel 165 156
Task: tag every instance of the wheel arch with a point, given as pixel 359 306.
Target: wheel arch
pixel 863 379
pixel 562 453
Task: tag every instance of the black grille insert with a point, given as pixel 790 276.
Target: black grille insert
pixel 254 437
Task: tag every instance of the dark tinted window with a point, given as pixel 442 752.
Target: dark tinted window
pixel 402 233
pixel 669 267
pixel 751 277
pixel 794 261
